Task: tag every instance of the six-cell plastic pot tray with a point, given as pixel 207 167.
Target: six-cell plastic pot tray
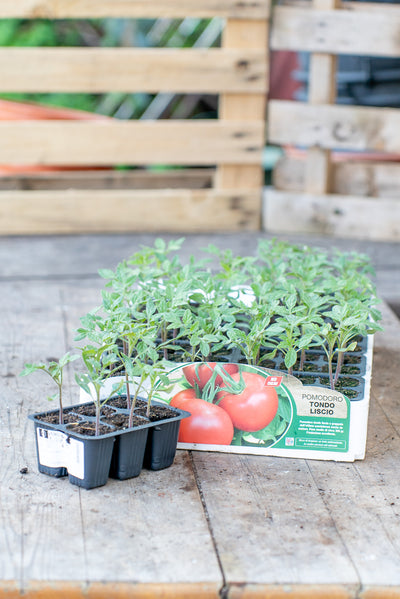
pixel 89 460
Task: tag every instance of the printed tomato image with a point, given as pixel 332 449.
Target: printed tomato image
pixel 182 397
pixel 255 407
pixel 208 422
pixel 201 373
pixel 250 407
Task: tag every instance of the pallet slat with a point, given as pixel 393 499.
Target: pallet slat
pixel 109 179
pixel 321 90
pixel 97 70
pixel 244 106
pixel 377 219
pixel 342 127
pixel 336 31
pixel 348 5
pixel 89 211
pixel 202 142
pixel 62 9
pixel 381 180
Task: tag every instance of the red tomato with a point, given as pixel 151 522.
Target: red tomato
pixel 208 423
pixel 200 373
pixel 255 407
pixel 182 397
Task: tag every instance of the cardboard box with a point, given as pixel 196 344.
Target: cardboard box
pixel 311 420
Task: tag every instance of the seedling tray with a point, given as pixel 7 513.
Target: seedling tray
pixel 89 460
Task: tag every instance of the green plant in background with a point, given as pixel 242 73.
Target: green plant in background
pixel 55 370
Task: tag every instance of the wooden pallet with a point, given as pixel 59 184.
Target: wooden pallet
pixel 231 144
pixel 312 193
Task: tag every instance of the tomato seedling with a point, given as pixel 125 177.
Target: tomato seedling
pixel 55 370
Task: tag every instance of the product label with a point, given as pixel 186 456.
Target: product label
pixel 58 450
pixel 320 420
pixel 321 402
pixel 268 409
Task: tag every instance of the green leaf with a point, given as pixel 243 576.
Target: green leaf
pixel 30 368
pixel 274 329
pixel 160 244
pixel 83 381
pixel 67 358
pixel 305 340
pixel 350 347
pixel 106 273
pixel 204 348
pixel 290 358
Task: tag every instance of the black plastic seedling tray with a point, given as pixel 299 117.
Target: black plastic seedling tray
pixel 120 454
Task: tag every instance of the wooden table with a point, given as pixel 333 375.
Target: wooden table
pixel 212 525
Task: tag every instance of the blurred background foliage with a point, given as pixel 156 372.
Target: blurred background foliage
pixel 118 33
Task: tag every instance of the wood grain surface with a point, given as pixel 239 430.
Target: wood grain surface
pixel 349 177
pixel 336 31
pixel 203 142
pixel 123 210
pixel 62 9
pixel 152 70
pixel 212 525
pixel 342 127
pixel 334 215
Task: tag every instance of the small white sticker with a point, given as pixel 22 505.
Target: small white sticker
pixel 58 450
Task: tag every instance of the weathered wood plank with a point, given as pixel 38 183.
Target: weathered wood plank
pixel 350 177
pixel 393 9
pixel 74 211
pixel 336 31
pixel 303 519
pixel 36 511
pixel 364 498
pixel 270 522
pixel 242 107
pixel 53 531
pixel 322 75
pixel 321 90
pixel 104 590
pixel 63 9
pixel 361 506
pixel 339 216
pixel 110 179
pixel 152 525
pixel 318 171
pixel 152 70
pixel 386 386
pixel 349 5
pixel 293 591
pixel 343 127
pixel 202 142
